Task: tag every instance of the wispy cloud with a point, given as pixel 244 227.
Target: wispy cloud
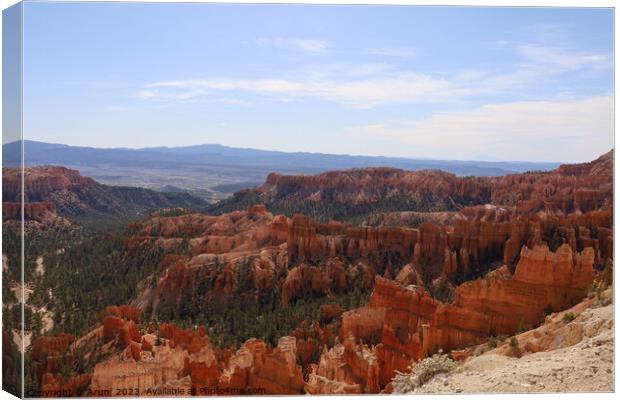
pixel 359 93
pixel 185 94
pixel 301 44
pixel 392 52
pixel 370 85
pixel 508 131
pixel 561 57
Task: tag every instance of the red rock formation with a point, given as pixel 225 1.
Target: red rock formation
pixel 334 257
pixel 254 366
pixel 118 376
pixel 219 245
pixel 50 354
pixel 358 186
pixel 53 385
pixel 44 346
pixel 303 282
pixel 332 375
pixel 310 339
pixel 313 242
pixel 37 211
pixel 116 328
pixel 499 303
pixel 39 182
pixel 126 312
pixel 148 367
pixel 406 324
pixel 345 369
pixel 329 312
pixel 188 339
pixel 570 188
pixel 277 372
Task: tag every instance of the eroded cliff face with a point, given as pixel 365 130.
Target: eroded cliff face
pixel 370 185
pixel 576 188
pixel 402 324
pixel 302 257
pixel 55 189
pixel 210 251
pixel 40 182
pixel 361 193
pixel 463 249
pixel 39 211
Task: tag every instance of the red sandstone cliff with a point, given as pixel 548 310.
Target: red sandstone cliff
pixel 406 324
pixel 40 182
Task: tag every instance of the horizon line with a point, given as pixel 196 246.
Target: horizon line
pixel 416 158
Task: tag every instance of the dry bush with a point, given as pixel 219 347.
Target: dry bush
pixel 421 372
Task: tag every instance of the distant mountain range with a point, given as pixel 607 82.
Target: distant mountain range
pixel 213 171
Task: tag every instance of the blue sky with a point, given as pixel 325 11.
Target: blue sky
pixel 433 82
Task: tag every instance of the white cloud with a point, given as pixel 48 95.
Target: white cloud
pixel 562 58
pixel 146 94
pixel 534 130
pixel 301 44
pixel 171 94
pixel 393 52
pixel 359 93
pixel 370 85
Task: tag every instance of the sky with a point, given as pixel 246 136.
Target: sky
pixel 462 83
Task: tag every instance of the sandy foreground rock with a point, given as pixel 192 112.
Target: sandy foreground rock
pixel 585 366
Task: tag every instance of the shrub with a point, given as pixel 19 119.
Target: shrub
pixel 514 343
pixel 594 289
pixel 422 372
pixel 568 317
pixel 492 342
pixel 514 350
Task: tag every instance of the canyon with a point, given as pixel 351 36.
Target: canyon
pixel 460 260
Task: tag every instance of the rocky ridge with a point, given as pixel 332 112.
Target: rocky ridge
pixel 52 189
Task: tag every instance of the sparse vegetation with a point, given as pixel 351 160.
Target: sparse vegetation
pixel 442 291
pixel 514 350
pixel 514 343
pixel 422 372
pixel 568 317
pixel 553 237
